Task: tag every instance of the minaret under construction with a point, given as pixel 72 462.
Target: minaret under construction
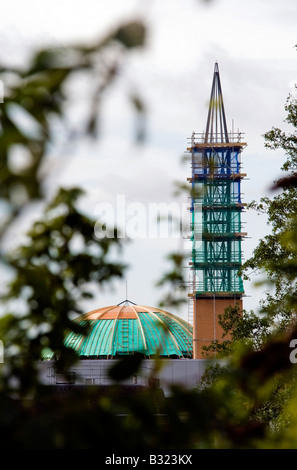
pixel 216 208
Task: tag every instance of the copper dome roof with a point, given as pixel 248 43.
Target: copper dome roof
pixel 127 328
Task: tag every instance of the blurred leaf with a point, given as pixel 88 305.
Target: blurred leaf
pixel 131 35
pixel 126 367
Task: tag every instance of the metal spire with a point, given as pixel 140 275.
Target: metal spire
pixel 216 127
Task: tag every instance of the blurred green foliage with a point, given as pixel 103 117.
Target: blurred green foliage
pixel 54 270
pixel 36 102
pixel 61 259
pixel 275 255
pixel 249 401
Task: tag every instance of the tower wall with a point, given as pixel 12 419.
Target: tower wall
pixel 206 326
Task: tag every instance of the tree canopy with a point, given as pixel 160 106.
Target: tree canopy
pixel 249 403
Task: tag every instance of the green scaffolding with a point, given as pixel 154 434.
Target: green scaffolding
pixel 216 218
pixel 216 202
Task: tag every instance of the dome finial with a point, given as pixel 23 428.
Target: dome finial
pixel 126 301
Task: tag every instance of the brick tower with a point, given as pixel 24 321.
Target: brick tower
pixel 216 208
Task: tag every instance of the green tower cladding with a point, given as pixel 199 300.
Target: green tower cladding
pixel 216 208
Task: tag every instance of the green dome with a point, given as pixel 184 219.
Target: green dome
pixel 125 329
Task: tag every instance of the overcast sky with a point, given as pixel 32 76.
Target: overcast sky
pixel 253 42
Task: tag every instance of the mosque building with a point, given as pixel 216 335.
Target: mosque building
pixel 127 328
pixel 123 330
